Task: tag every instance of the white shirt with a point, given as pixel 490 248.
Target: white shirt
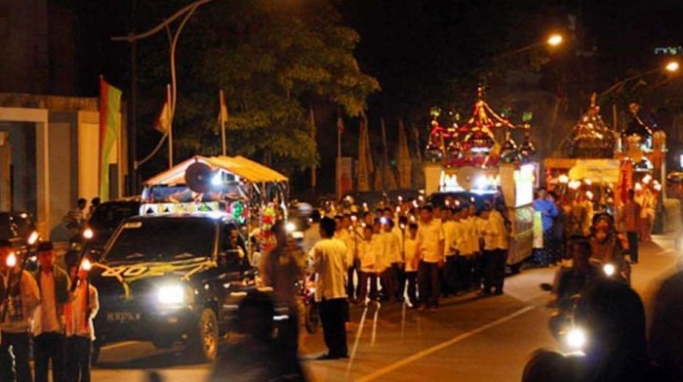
pixel 77 324
pixel 495 233
pixel 329 262
pixel 366 255
pixel 469 243
pixel 429 240
pixel 311 236
pixel 392 248
pixel 29 293
pixel 449 237
pixel 377 245
pixel 411 247
pixel 49 322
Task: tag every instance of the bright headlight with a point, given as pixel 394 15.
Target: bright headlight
pixel 576 338
pixel 609 269
pixel 290 227
pixel 171 295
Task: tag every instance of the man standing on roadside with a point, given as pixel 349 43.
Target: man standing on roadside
pixel 22 297
pixel 430 251
pixel 330 265
pixel 49 342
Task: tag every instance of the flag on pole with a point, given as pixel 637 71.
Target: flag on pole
pixel 223 119
pixel 314 132
pixel 163 122
pixel 363 169
pixel 340 125
pixel 223 115
pixel 404 165
pixel 388 178
pixel 110 130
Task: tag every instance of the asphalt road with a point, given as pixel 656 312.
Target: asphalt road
pixel 468 339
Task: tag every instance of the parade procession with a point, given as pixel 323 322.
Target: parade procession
pixel 297 190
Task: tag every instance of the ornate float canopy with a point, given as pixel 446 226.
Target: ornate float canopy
pixel 474 143
pixel 590 137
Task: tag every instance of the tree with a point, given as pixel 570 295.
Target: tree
pixel 273 59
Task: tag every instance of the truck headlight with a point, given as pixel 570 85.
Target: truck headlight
pixel 171 295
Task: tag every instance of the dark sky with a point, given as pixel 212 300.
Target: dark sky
pixel 425 52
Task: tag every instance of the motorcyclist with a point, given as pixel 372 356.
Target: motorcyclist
pixel 607 247
pixel 570 281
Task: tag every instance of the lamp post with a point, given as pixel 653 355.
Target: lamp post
pixel 670 67
pixel 553 40
pixel 186 13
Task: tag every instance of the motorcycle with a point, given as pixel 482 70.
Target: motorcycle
pixel 311 317
pixel 570 337
pixel 618 271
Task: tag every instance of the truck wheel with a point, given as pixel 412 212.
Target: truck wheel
pixel 311 317
pixel 203 345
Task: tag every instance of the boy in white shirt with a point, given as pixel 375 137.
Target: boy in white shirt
pixel 367 258
pixel 80 333
pixel 411 262
pixel 392 258
pixel 449 276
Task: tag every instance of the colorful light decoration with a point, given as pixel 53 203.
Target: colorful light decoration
pixel 473 143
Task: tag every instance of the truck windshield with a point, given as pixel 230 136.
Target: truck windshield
pixel 163 239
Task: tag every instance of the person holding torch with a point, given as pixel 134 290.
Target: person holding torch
pixel 79 313
pixel 18 301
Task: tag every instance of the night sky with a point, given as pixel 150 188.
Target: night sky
pixel 431 52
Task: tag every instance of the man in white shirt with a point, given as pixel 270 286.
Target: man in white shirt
pixel 449 280
pixel 495 251
pixel 392 258
pixel 430 250
pixel 49 341
pixel 330 265
pixel 21 297
pixel 312 233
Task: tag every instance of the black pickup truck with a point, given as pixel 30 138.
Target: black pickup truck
pixel 174 280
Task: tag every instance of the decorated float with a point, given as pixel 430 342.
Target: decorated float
pixel 599 165
pixel 252 195
pixel 481 160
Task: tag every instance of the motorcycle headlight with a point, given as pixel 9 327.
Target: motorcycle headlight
pixel 576 339
pixel 609 269
pixel 171 295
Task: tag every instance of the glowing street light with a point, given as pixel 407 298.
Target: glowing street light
pixel 672 66
pixel 554 39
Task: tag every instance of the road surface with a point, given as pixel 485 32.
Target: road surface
pixel 468 339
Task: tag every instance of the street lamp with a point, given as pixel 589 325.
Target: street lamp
pixel 186 13
pixel 553 40
pixel 671 67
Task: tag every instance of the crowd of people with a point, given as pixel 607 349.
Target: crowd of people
pixel 420 253
pixel 43 308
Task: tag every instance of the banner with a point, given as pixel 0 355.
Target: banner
pixel 363 164
pixel 404 163
pixel 344 175
pixel 110 130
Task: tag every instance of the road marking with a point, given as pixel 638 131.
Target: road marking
pixel 433 349
pixel 118 345
pixel 359 332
